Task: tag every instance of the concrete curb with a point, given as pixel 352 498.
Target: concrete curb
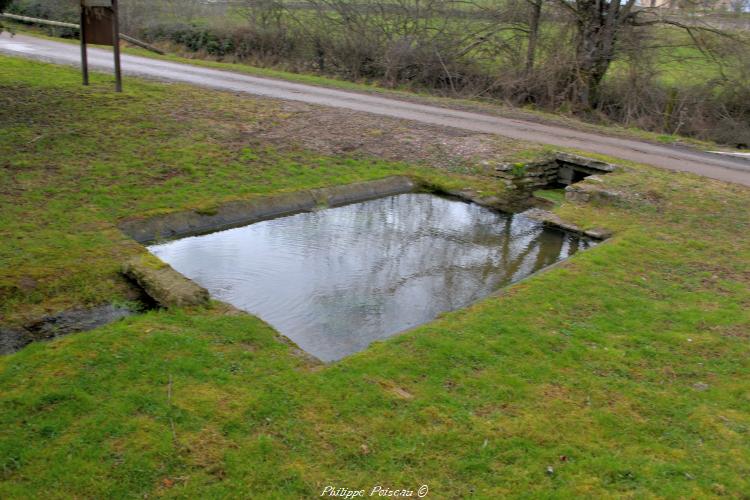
pixel 553 220
pixel 243 212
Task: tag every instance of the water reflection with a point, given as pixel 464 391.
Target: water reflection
pixel 336 280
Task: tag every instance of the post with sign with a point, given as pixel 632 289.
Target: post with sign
pixel 100 26
pixel 84 55
pixel 116 47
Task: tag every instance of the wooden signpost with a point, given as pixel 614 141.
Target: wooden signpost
pixel 100 26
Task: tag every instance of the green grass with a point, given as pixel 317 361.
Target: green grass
pixel 556 196
pixel 678 63
pixel 624 369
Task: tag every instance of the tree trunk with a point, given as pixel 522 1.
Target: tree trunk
pixel 535 16
pixel 598 24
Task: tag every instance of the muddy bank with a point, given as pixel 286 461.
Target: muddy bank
pixel 58 325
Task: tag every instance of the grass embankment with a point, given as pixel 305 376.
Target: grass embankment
pixel 625 369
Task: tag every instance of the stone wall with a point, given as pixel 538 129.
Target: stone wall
pixel 561 169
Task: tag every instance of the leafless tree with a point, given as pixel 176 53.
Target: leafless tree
pixel 739 6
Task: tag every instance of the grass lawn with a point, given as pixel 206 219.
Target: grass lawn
pixel 622 372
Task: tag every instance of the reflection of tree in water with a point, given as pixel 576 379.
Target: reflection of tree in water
pixel 336 280
pixel 417 255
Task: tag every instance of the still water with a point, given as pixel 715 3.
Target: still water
pixel 336 280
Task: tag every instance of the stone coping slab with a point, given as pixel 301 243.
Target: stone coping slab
pixel 243 212
pixel 164 285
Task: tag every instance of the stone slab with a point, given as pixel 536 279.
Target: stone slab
pixel 166 286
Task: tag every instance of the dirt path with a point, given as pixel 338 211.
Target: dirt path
pixel 726 168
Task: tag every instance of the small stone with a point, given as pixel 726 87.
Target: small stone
pixel 719 489
pixel 27 284
pixel 700 386
pixel 587 162
pixel 576 195
pixel 585 193
pixel 598 233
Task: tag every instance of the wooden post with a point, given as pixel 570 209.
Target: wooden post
pixel 84 54
pixel 116 37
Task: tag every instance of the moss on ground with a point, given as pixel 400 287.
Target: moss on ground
pixel 624 370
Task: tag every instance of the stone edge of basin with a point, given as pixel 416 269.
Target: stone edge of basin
pixel 550 219
pixel 164 285
pixel 242 212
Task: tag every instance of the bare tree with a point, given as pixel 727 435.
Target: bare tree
pixel 535 19
pixel 136 14
pixel 599 25
pixel 739 6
